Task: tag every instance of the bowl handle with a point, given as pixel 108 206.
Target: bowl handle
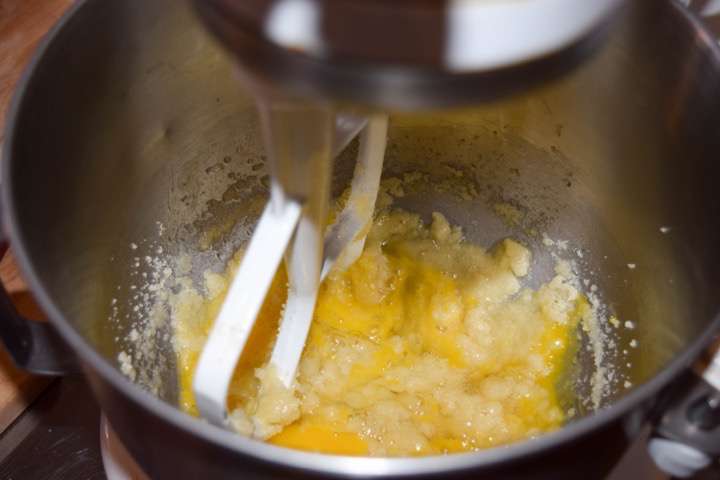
pixel 33 346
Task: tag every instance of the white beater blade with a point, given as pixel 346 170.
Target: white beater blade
pixel 347 127
pixel 241 307
pixel 304 263
pixel 346 234
pixel 346 239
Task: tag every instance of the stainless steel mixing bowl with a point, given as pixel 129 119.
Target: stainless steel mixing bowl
pixel 130 115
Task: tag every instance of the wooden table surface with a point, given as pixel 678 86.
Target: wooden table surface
pixel 22 24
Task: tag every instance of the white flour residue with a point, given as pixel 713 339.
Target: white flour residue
pixel 599 327
pixel 142 359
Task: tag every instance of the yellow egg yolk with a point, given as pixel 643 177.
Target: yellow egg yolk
pixel 426 344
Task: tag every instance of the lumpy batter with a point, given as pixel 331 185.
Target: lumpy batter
pixel 427 344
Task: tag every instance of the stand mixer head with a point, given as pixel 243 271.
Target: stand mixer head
pixel 409 54
pixel 313 65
